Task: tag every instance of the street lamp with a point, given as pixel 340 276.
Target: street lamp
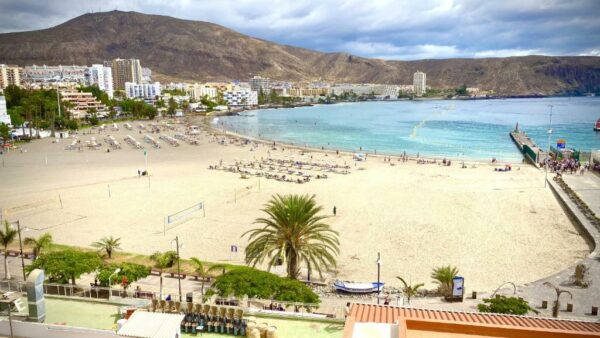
pixel 548 153
pixel 378 275
pixel 18 225
pixel 176 240
pixel 109 282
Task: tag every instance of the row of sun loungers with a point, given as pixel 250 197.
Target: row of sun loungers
pixel 149 139
pixel 169 140
pixel 72 146
pixel 112 142
pixel 132 142
pixel 128 126
pixel 93 143
pixel 186 138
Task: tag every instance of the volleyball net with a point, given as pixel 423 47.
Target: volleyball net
pixel 185 213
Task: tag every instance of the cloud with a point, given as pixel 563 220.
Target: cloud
pixel 389 29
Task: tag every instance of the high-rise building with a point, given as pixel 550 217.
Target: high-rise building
pixel 4 117
pixel 146 75
pixel 147 91
pixel 102 77
pixel 258 83
pixel 10 75
pixel 419 83
pixel 125 70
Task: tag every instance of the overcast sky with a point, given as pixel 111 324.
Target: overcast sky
pixel 400 29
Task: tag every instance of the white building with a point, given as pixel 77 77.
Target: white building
pixel 101 76
pixel 241 97
pixel 201 90
pixel 53 74
pixel 146 75
pixel 4 117
pixel 142 90
pixel 420 83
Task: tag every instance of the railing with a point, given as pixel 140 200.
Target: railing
pixel 102 292
pixel 11 285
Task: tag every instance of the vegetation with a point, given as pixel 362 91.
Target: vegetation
pixel 7 236
pixel 174 92
pixel 505 305
pixel 138 109
pixel 128 273
pixel 108 245
pixel 580 277
pixel 462 90
pixel 273 98
pixel 163 260
pixel 443 276
pixel 293 233
pixel 410 290
pixel 66 266
pixel 40 244
pixel 559 292
pixel 204 271
pixel 172 107
pixel 98 93
pixel 260 284
pixel 4 132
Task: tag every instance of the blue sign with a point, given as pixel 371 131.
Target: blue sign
pixel 458 289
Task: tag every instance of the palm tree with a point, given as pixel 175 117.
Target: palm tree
pixel 443 275
pixel 293 233
pixel 410 290
pixel 204 272
pixel 7 236
pixel 108 244
pixel 43 242
pixel 163 260
pixel 559 292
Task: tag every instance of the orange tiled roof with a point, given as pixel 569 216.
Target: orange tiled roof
pixel 390 314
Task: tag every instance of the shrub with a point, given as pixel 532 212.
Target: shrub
pixel 443 276
pixel 505 305
pixel 260 284
pixel 131 271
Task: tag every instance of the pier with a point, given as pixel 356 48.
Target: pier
pixel 527 146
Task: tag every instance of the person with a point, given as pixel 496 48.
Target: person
pixel 334 210
pixel 386 300
pixel 347 310
pixel 168 297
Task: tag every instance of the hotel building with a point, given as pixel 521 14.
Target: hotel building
pixel 83 103
pixel 4 117
pixel 241 97
pixel 10 75
pixel 102 77
pixel 258 83
pixel 419 82
pixel 125 70
pixel 146 91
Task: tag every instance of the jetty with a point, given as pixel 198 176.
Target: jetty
pixel 534 154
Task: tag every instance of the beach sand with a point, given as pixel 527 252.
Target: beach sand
pixel 493 226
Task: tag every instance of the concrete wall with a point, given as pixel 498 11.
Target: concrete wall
pixel 37 330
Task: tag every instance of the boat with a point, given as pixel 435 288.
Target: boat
pixel 353 287
pixel 597 127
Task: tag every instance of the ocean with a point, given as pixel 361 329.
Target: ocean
pixel 470 129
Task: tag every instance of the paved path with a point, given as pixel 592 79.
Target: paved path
pixel 587 186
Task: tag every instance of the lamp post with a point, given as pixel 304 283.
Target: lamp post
pixel 176 240
pixel 378 275
pixel 109 282
pixel 548 153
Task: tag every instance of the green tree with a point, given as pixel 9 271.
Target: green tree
pixel 293 233
pixel 203 271
pixel 505 305
pixel 4 131
pixel 66 265
pixel 443 276
pixel 129 272
pixel 7 236
pixel 108 245
pixel 172 106
pixel 43 242
pixel 162 261
pixel 410 290
pixel 242 281
pixel 462 90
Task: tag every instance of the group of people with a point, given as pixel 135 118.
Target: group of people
pixel 570 165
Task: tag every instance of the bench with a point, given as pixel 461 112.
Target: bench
pixel 155 272
pixel 198 278
pixel 180 275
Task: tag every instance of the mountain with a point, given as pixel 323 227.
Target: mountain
pixel 194 50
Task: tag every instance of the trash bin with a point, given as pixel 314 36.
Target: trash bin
pixel 189 297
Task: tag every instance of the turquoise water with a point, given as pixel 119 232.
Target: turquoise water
pixel 469 129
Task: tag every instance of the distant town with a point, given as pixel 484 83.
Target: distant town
pixel 106 90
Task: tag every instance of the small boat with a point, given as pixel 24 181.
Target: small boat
pixel 353 287
pixel 597 127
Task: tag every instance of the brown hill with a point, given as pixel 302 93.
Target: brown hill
pixel 193 50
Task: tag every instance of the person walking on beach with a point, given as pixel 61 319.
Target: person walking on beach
pixel 334 210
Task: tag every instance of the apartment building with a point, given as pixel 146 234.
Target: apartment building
pixel 4 117
pixel 43 75
pixel 10 75
pixel 101 76
pixel 258 83
pixel 198 91
pixel 82 103
pixel 125 70
pixel 419 82
pixel 146 91
pixel 241 97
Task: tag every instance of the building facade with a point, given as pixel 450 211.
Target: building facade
pixel 125 70
pixel 4 117
pixel 241 97
pixel 10 75
pixel 102 77
pixel 258 83
pixel 83 103
pixel 147 91
pixel 419 83
pixel 201 90
pixel 50 75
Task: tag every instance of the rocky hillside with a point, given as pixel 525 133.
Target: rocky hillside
pixel 192 50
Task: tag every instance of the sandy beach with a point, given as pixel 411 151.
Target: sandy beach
pixel 495 226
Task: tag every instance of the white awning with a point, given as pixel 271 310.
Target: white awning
pixel 152 325
pixel 375 330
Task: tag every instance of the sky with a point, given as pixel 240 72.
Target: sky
pixel 397 30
